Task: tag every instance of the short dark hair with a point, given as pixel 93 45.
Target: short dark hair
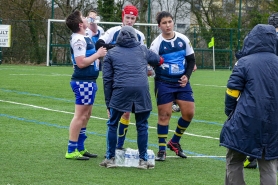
pixel 73 21
pixel 161 15
pixel 94 11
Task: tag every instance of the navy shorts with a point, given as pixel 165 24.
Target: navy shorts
pixel 165 92
pixel 84 92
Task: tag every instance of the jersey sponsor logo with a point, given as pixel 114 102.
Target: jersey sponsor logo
pixel 165 48
pixel 79 48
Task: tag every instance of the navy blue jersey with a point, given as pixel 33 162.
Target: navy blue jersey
pixel 174 52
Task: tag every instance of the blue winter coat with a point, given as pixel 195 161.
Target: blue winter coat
pixel 253 126
pixel 125 80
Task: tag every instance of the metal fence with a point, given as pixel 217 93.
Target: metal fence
pixel 29 43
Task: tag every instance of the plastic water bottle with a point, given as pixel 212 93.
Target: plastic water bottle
pixel 151 157
pixel 131 158
pixel 93 20
pixel 120 158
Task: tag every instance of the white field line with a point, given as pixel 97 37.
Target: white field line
pixel 197 156
pixel 57 74
pixel 40 75
pixel 95 117
pixel 209 85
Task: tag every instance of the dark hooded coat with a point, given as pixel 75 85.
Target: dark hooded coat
pixel 252 126
pixel 125 80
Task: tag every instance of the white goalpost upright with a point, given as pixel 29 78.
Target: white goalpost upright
pixel 63 21
pixel 48 38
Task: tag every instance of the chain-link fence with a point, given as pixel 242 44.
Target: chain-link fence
pixel 29 43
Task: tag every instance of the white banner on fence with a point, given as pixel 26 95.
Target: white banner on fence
pixel 5 35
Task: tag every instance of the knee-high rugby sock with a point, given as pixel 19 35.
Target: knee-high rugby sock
pixel 181 127
pixel 81 139
pixel 123 127
pixel 162 132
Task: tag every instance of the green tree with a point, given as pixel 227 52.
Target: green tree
pixel 32 13
pixel 106 8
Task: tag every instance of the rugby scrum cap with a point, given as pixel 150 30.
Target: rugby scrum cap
pixel 273 20
pixel 130 9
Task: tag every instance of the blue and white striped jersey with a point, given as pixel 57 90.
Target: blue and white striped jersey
pixel 83 46
pixel 174 52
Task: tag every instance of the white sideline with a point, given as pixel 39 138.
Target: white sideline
pixel 197 156
pixel 95 117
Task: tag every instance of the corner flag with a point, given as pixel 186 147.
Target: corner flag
pixel 211 43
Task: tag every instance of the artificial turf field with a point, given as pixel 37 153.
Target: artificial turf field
pixel 37 105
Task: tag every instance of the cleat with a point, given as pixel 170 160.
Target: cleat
pixel 87 154
pixel 145 165
pixel 176 147
pixel 175 108
pixel 76 155
pixel 108 163
pixel 161 155
pixel 252 164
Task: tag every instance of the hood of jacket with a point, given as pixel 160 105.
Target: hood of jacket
pixel 127 37
pixel 262 38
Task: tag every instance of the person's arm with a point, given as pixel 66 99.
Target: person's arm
pixel 101 43
pixel 107 76
pixel 92 25
pixel 152 58
pixel 235 85
pixel 190 59
pixel 195 68
pixel 93 28
pixel 231 100
pixel 83 61
pixel 106 39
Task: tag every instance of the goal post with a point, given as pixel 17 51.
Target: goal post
pixel 64 53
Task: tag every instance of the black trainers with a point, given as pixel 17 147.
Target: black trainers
pixel 161 155
pixel 87 154
pixel 76 155
pixel 250 163
pixel 176 147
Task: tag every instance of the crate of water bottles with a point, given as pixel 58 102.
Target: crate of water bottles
pixel 130 157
